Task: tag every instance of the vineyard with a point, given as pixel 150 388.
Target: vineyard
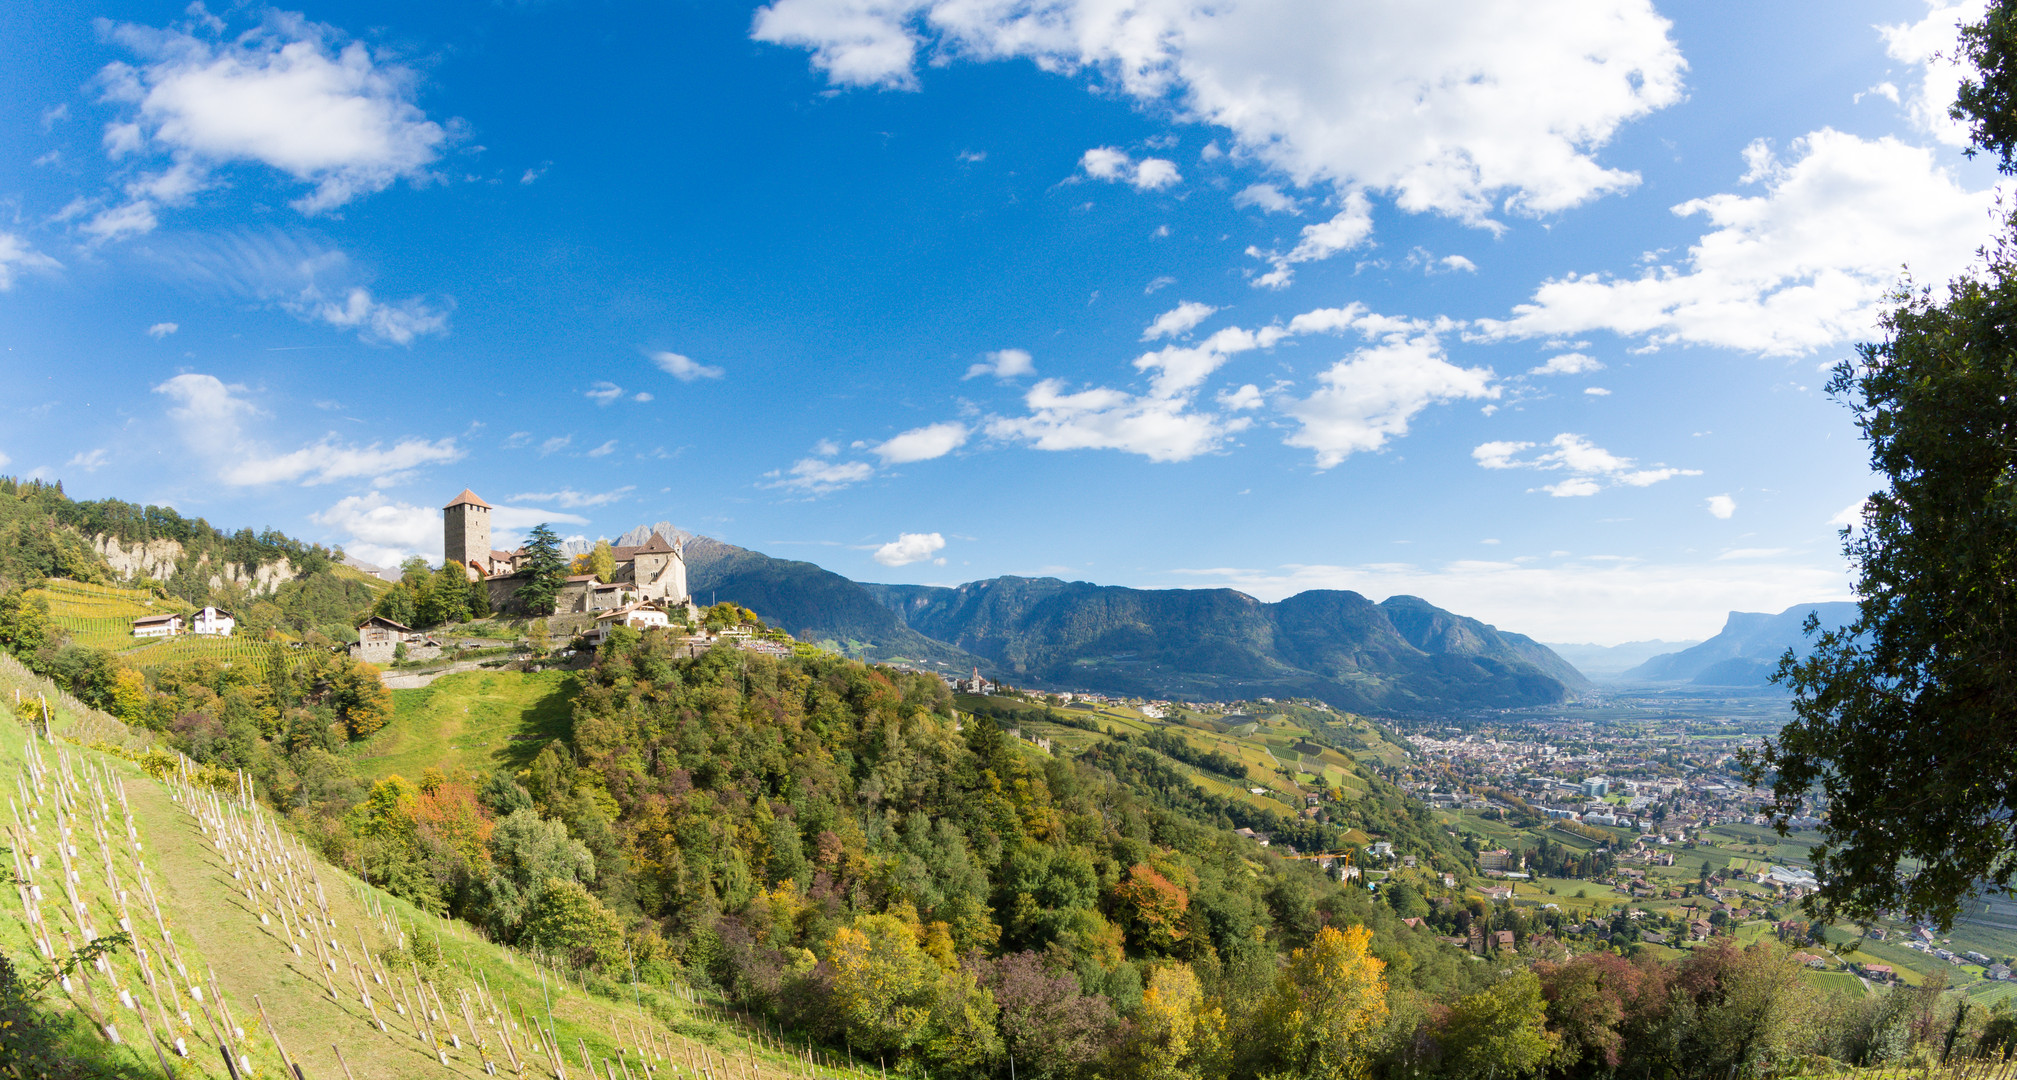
pixel 101 617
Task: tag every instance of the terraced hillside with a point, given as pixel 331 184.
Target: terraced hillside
pixel 242 943
pixel 101 616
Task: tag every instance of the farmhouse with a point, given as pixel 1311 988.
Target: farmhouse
pixel 213 622
pixel 379 639
pixel 643 615
pixel 157 625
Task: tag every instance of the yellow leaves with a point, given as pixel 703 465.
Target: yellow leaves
pixel 1328 1006
pixel 1178 1032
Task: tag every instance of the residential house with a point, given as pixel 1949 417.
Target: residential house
pixel 1496 860
pixel 1503 940
pixel 213 622
pixel 157 625
pixel 379 639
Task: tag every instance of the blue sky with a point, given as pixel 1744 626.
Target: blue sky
pixel 1520 308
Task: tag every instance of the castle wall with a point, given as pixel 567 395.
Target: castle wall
pixel 465 534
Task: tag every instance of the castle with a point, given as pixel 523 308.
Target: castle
pixel 652 571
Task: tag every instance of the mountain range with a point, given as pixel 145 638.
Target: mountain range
pixel 1747 651
pixel 1400 656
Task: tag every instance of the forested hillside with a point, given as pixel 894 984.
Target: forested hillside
pixel 1401 656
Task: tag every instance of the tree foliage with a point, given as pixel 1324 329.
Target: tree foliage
pixel 1906 720
pixel 546 570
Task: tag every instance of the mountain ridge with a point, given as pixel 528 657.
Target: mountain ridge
pixel 1400 655
pixel 1747 650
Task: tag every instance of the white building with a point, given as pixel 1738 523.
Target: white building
pixel 157 626
pixel 213 622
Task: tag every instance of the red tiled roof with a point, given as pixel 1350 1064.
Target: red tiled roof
pixel 468 497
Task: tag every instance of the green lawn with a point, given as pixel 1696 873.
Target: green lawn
pixel 476 720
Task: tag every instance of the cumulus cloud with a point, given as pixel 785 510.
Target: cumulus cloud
pixel 16 255
pixel 1460 109
pixel 603 393
pixel 161 330
pixel 1573 363
pixel 212 414
pixel 382 531
pixel 1850 517
pixel 1371 395
pixel 1346 230
pixel 1362 400
pixel 1587 467
pixel 683 368
pixel 301 277
pixel 1003 364
pixel 1931 44
pixel 1723 506
pixel 1178 321
pixel 910 548
pixel 379 322
pixel 575 500
pixel 814 476
pixel 89 461
pixel 1268 199
pixel 1112 165
pixel 1803 265
pixel 290 94
pixel 923 444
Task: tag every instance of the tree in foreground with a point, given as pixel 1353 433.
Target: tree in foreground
pixel 1327 1007
pixel 1906 720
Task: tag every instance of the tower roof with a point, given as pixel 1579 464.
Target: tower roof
pixel 467 497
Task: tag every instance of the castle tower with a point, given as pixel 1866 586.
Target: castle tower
pixel 465 533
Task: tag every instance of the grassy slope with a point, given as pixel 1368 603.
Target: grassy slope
pixel 478 720
pixel 211 922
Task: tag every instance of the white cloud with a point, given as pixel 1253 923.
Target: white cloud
pixel 514 518
pixel 641 396
pixel 1365 398
pixel 1931 44
pixel 382 531
pixel 826 448
pixel 290 94
pixel 4 461
pixel 1246 397
pixel 555 444
pixel 1370 396
pixel 378 322
pixel 329 460
pixel 1158 428
pixel 302 278
pixel 1268 199
pixel 1722 506
pixel 90 461
pixel 1473 105
pixel 604 450
pixel 575 500
pixel 16 254
pixel 923 444
pixel 683 368
pixel 212 414
pixel 1179 320
pixel 1607 600
pixel 909 548
pixel 1596 391
pixel 1850 517
pixel 1804 265
pixel 813 476
pixel 603 393
pixel 1589 467
pixel 1454 263
pixel 1003 364
pixel 1346 230
pixel 161 330
pixel 1162 282
pixel 1112 165
pixel 1573 363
